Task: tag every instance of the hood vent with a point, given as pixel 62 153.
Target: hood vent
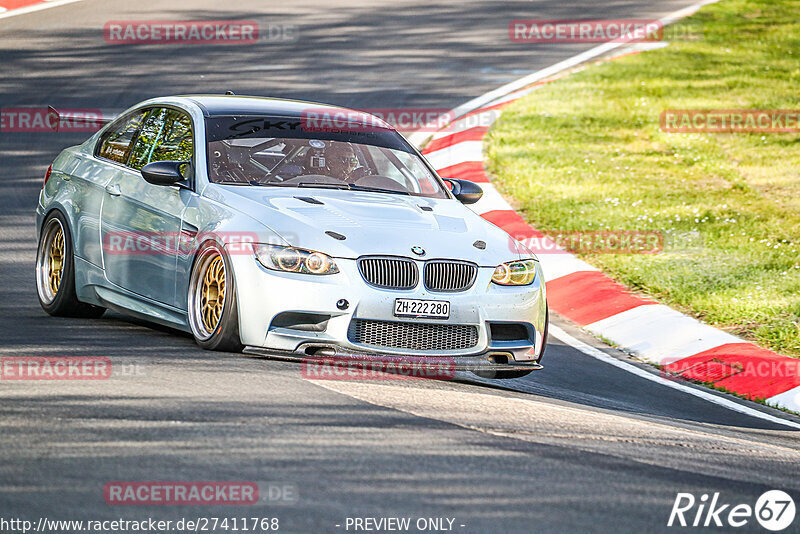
pixel 311 200
pixel 335 235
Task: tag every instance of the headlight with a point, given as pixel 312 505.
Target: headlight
pixel 294 260
pixel 515 273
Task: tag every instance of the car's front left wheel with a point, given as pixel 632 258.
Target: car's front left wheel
pixel 212 307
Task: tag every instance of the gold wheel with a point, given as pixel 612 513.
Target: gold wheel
pixel 51 260
pixel 56 280
pixel 213 314
pixel 55 261
pixel 212 294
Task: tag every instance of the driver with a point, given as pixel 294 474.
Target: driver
pixel 339 160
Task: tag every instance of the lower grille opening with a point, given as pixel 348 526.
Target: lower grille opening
pixel 305 322
pixel 412 336
pixel 509 332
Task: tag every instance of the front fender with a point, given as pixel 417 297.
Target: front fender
pixel 206 220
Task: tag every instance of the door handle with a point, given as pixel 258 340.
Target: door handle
pixel 113 190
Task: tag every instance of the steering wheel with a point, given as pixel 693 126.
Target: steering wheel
pixel 381 182
pixel 358 174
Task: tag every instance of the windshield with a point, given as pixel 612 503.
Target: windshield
pixel 269 151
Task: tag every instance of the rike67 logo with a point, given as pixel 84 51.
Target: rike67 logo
pixel 774 510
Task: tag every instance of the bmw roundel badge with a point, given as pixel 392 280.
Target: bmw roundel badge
pixel 419 251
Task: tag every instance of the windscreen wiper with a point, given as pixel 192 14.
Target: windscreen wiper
pixel 249 182
pixel 268 184
pixel 377 190
pixel 321 185
pixel 352 187
pixel 324 185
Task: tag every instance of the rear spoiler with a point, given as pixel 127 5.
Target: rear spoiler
pixel 79 119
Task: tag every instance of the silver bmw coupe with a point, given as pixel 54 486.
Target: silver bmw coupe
pixel 257 227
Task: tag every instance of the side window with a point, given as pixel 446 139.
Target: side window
pixel 165 135
pixel 116 145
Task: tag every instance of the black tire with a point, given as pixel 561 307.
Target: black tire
pixel 59 299
pixel 224 335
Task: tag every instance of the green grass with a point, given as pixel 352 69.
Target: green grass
pixel 586 153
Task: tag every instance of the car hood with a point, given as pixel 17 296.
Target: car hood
pixel 372 223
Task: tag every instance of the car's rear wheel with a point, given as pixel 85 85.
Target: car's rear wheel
pixel 55 271
pixel 213 311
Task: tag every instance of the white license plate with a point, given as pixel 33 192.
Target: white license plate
pixel 433 309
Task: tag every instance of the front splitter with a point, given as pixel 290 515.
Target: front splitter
pixel 343 356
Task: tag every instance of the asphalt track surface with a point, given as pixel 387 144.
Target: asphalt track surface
pixel 581 446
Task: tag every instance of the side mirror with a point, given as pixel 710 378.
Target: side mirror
pixel 164 172
pixel 465 191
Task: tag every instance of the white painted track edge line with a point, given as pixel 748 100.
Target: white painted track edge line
pixel 642 373
pixel 500 92
pixel 487 98
pixel 571 62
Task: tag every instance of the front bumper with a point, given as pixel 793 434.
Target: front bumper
pixel 263 294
